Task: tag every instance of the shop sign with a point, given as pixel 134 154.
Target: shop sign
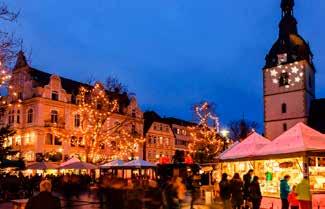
pixel 286 165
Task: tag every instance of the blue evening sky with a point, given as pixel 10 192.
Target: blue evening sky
pixel 171 53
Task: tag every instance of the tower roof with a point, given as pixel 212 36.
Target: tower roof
pixel 289 41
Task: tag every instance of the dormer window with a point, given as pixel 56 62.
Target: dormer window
pixel 284 79
pixel 282 58
pixel 55 95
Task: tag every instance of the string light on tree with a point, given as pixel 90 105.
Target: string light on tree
pixel 206 142
pixel 102 139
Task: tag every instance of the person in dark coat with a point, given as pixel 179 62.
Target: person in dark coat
pixel 247 178
pixel 225 191
pixel 255 193
pixel 236 185
pixel 45 199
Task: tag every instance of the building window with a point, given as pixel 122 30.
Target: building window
pixel 133 114
pixel 49 139
pixel 133 129
pixel 77 121
pixel 99 106
pixel 73 141
pixel 20 95
pixel 81 142
pixel 284 79
pixel 178 131
pixel 11 116
pixel 282 58
pixel 30 116
pixel 55 95
pixel 54 116
pixel 18 116
pixel 284 108
pixel 285 127
pixel 161 140
pixel 57 140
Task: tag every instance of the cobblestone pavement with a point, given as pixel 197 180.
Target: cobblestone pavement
pixel 82 203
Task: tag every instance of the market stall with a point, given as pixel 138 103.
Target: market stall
pixel 139 168
pixel 237 159
pixel 298 152
pixel 42 168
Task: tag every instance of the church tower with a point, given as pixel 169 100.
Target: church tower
pixel 288 77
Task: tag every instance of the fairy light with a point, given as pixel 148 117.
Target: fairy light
pixel 96 109
pixel 205 138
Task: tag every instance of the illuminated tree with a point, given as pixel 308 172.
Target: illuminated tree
pixel 125 143
pixel 104 131
pixel 206 142
pixel 5 149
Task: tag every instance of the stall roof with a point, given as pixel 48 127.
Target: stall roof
pixel 245 149
pixel 138 164
pixel 299 138
pixel 113 163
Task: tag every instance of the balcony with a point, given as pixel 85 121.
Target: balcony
pixel 59 124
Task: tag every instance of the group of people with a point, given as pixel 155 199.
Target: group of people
pixel 299 195
pixel 237 193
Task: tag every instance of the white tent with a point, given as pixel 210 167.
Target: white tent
pixel 299 138
pixel 138 164
pixel 70 161
pixel 245 149
pixel 42 166
pixel 79 165
pixel 113 163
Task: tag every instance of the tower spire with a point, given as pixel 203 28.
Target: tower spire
pixel 287 7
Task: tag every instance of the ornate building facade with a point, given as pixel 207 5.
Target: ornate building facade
pixel 39 103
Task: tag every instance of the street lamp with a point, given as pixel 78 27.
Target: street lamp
pixel 224 132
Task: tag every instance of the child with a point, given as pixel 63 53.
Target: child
pixel 292 198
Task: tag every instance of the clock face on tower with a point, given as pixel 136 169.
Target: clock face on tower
pixel 287 75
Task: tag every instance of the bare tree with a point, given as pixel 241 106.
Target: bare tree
pixel 240 129
pixel 112 84
pixel 8 43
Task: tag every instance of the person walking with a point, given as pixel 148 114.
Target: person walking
pixel 45 199
pixel 303 194
pixel 236 185
pixel 284 191
pixel 248 178
pixel 255 193
pixel 225 191
pixel 292 198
